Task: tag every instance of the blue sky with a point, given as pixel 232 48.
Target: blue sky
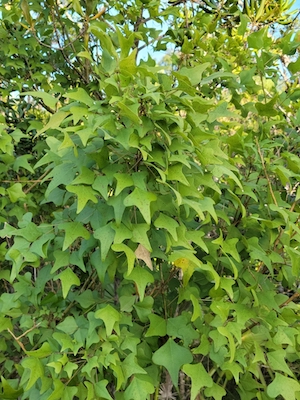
pixel 297 4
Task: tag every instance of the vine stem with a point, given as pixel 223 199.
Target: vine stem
pixel 266 172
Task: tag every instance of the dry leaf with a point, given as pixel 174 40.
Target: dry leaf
pixel 143 254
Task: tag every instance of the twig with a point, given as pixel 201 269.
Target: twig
pixel 292 298
pixel 17 339
pixel 36 182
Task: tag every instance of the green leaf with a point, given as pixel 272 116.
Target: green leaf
pixel 144 308
pixel 44 351
pixel 121 232
pixel 219 112
pixel 101 391
pixel 8 392
pixel 283 386
pixel 62 259
pixel 181 328
pixel 80 95
pixel 294 256
pixel 172 357
pixel 22 162
pixel 49 100
pixel 129 254
pixel 128 65
pixel 105 234
pixel 123 181
pixel 15 192
pixel 141 277
pixel 158 326
pixel 68 278
pixel 196 237
pixel 194 74
pixel 130 111
pixel 30 232
pixel 276 361
pixel 170 224
pixel 260 39
pixel 84 193
pixel 140 388
pixel 36 369
pixel 197 312
pixel 62 174
pixel 68 325
pixel 175 174
pixel 58 391
pixel 86 177
pixel 199 376
pixel 111 317
pixel 139 235
pixel 117 202
pixel 267 109
pixel 216 391
pixel 131 367
pixel 141 200
pixel 54 122
pixel 73 230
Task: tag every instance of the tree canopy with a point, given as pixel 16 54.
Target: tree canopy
pixel 149 209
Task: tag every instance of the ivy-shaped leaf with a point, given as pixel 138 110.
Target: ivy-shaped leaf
pixel 283 386
pixel 84 194
pixel 142 253
pixel 44 351
pixel 111 317
pixel 105 234
pixel 158 326
pixel 141 277
pixel 170 224
pixel 73 230
pixel 141 200
pixel 140 388
pixel 199 376
pixel 131 367
pixel 123 181
pixel 36 370
pixel 15 192
pixel 172 356
pixel 139 235
pixel 67 278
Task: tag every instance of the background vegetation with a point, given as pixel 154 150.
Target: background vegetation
pixel 149 210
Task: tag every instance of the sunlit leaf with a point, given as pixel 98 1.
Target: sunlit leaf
pixel 68 278
pixel 172 356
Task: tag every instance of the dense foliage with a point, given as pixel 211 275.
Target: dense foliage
pixel 149 210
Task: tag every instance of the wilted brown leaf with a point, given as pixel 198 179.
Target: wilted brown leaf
pixel 143 254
